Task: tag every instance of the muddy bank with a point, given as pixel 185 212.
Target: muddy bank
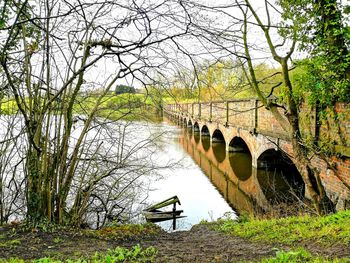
pixel 200 244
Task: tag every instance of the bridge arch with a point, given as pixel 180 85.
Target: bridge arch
pixel 196 132
pixel 189 124
pixel 240 158
pixel 196 127
pixel 237 144
pixel 205 131
pixel 279 178
pixel 218 145
pixel 218 137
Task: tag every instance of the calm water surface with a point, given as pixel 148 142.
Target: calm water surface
pixel 200 199
pixel 211 182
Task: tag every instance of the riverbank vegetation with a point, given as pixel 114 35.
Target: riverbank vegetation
pixel 291 239
pixel 325 230
pixel 127 106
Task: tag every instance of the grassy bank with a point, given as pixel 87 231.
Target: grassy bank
pixel 326 230
pixel 291 239
pixel 119 254
pixel 126 106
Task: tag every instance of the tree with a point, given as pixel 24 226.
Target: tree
pixel 120 89
pixel 269 32
pixel 51 51
pixel 323 31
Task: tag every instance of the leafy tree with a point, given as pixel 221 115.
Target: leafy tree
pixel 120 89
pixel 323 30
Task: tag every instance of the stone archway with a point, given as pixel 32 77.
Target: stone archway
pixel 279 178
pixel 218 145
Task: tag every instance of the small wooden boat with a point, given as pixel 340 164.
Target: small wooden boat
pixel 159 216
pixel 154 215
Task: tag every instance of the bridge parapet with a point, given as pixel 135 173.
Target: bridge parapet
pixel 248 114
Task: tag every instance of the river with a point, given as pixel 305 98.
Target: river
pixel 199 197
pixel 160 160
pixel 212 183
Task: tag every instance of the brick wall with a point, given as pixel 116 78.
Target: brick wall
pixel 242 113
pixel 267 124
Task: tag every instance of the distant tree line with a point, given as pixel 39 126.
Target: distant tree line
pixel 120 89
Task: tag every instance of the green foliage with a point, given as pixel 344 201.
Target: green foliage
pixel 8 107
pixel 124 106
pixel 12 260
pixel 119 254
pixel 46 260
pixel 326 75
pixel 323 83
pixel 57 240
pixel 221 80
pixel 321 29
pixel 299 255
pixel 10 243
pixel 4 13
pixel 290 230
pixel 120 89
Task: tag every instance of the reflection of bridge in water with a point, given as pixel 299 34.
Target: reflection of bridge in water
pixel 245 188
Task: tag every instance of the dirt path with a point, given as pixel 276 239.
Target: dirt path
pixel 200 244
pixel 204 245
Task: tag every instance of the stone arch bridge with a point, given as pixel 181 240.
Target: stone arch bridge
pixel 246 125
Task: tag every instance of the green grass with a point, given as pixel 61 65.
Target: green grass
pixel 299 255
pixel 128 107
pixel 326 230
pixel 119 254
pixel 10 243
pixel 137 254
pixel 124 106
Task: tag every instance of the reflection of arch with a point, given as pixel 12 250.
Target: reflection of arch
pixel 240 158
pixel 196 137
pixel 205 142
pixel 279 178
pixel 205 131
pixel 196 127
pixel 219 146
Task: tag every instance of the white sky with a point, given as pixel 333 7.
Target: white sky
pixel 163 24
